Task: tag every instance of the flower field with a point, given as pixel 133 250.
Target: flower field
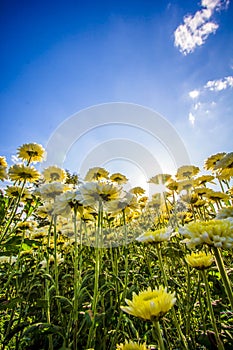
pixel 87 264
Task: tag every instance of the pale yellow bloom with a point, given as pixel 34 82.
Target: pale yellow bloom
pixel 155 236
pixel 217 233
pixel 20 172
pixel 160 179
pixel 225 213
pixel 3 163
pixel 32 152
pixel 96 173
pixel 131 346
pixel 212 160
pixel 138 191
pixel 54 173
pixel 51 190
pixel 118 178
pixel 150 304
pixel 186 172
pixel 200 260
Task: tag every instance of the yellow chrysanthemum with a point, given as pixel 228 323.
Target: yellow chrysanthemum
pixel 212 160
pixel 53 189
pixel 150 304
pixel 155 236
pixel 185 185
pixel 3 162
pixel 200 260
pixel 53 174
pixel 15 191
pixel 131 346
pixel 128 201
pixel 118 178
pixel 31 152
pixel 20 172
pixel 92 193
pixel 160 179
pixel 216 195
pixel 186 172
pixel 202 180
pixel 225 162
pixel 3 174
pixel 225 213
pixel 138 191
pixel 96 173
pixel 217 233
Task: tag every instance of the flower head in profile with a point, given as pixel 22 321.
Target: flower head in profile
pixel 118 178
pixel 150 304
pixel 54 174
pixel 96 173
pixel 217 233
pixel 212 160
pixel 138 191
pixel 92 193
pixel 3 163
pixel 65 202
pixel 31 152
pixel 155 236
pixel 160 179
pixel 187 172
pixel 131 346
pixel 21 172
pixel 51 190
pixel 225 213
pixel 200 260
pixel 128 201
pixel 3 173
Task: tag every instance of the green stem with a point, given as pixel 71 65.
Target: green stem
pixel 175 320
pixel 225 279
pixel 159 335
pixel 212 317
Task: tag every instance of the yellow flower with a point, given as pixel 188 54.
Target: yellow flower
pixel 216 195
pixel 202 180
pixel 185 185
pixel 51 190
pixel 96 173
pixel 3 162
pixel 217 233
pixel 20 172
pixel 212 160
pixel 200 260
pixel 186 172
pixel 92 193
pixel 160 179
pixel 3 174
pixel 119 178
pixel 150 304
pixel 155 236
pixel 65 202
pixel 131 346
pixel 225 162
pixel 31 152
pixel 138 191
pixel 14 191
pixel 128 201
pixel 54 173
pixel 225 213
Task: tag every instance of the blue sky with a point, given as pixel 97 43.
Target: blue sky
pixel 59 57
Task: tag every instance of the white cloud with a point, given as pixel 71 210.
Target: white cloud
pixel 219 84
pixel 194 94
pixel 198 27
pixel 191 118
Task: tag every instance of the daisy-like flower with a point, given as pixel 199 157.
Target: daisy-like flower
pixel 31 152
pixel 225 213
pixel 92 193
pixel 96 173
pixel 65 202
pixel 3 173
pixel 225 162
pixel 51 190
pixel 155 236
pixel 217 233
pixel 216 195
pixel 54 174
pixel 128 201
pixel 3 163
pixel 200 260
pixel 20 172
pixel 187 172
pixel 160 179
pixel 212 160
pixel 202 180
pixel 131 346
pixel 138 191
pixel 185 185
pixel 14 191
pixel 118 178
pixel 150 304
